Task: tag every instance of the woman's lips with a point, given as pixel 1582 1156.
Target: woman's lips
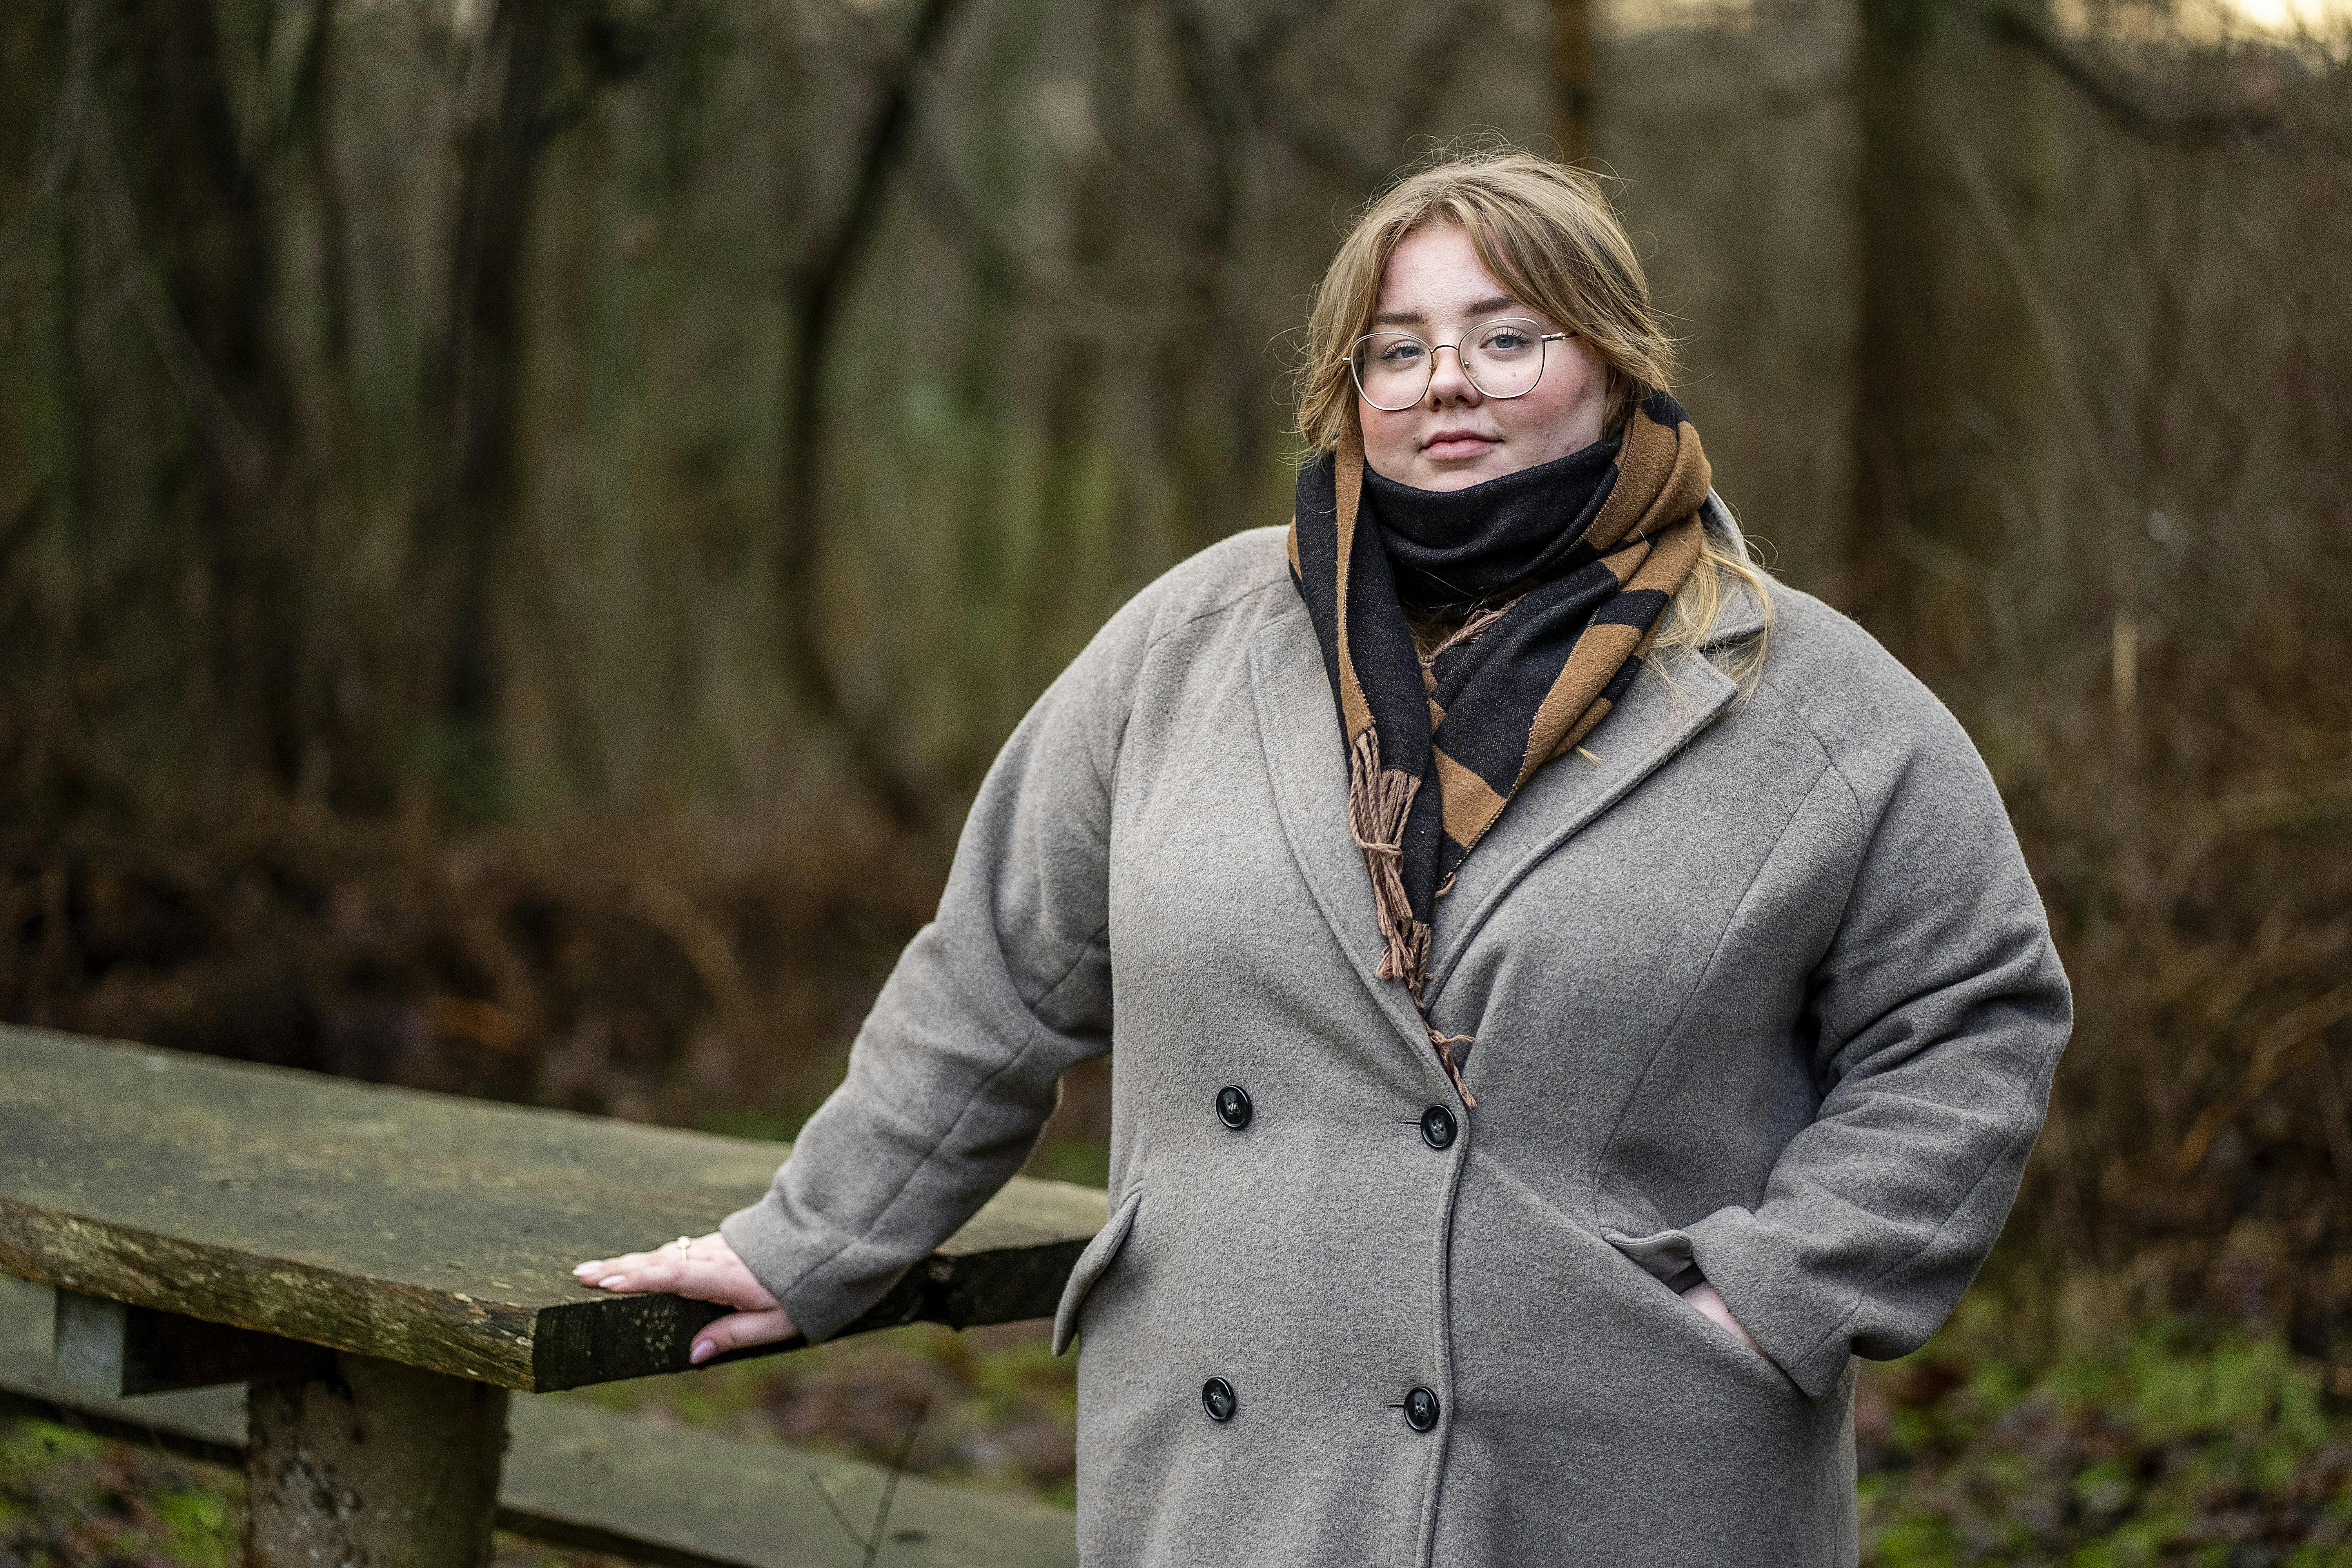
pixel 1452 445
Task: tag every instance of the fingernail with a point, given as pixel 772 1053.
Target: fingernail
pixel 610 1280
pixel 702 1351
pixel 583 1268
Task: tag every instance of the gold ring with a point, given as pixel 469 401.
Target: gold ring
pixel 684 1242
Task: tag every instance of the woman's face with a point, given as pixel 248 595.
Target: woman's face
pixel 1436 288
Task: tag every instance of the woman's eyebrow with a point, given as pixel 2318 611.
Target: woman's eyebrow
pixel 1415 319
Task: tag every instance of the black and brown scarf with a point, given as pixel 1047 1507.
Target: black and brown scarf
pixel 1558 574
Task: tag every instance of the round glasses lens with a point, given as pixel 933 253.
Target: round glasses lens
pixel 1392 369
pixel 1505 358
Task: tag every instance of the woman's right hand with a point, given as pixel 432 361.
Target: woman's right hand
pixel 703 1268
pixel 1709 1301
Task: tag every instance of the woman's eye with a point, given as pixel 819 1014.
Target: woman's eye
pixel 1506 339
pixel 1400 354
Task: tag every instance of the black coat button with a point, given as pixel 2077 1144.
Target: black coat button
pixel 1420 1410
pixel 1437 1127
pixel 1233 1107
pixel 1217 1399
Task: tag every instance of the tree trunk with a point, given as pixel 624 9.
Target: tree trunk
pixel 1948 378
pixel 344 760
pixel 1572 77
pixel 473 405
pixel 816 301
pixel 44 74
pixel 192 236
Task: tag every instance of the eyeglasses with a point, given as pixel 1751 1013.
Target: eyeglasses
pixel 1502 358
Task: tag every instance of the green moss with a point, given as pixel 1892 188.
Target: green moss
pixel 2176 1445
pixel 1916 1542
pixel 1071 1160
pixel 204 1528
pixel 29 1443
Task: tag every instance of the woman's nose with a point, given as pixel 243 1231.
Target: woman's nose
pixel 1447 382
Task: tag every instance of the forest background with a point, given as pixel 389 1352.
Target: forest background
pixel 522 522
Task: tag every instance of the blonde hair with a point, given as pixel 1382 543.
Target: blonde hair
pixel 1548 233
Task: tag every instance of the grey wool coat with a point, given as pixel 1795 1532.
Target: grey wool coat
pixel 1759 985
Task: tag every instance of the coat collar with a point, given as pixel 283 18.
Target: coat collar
pixel 1299 733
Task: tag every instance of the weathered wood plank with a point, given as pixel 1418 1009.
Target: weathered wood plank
pixel 427 1229
pixel 579 1476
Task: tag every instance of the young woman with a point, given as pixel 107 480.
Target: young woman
pixel 1566 995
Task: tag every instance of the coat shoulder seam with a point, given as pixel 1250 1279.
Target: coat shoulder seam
pixel 1238 597
pixel 1108 783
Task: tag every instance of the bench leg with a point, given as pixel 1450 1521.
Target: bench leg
pixel 375 1465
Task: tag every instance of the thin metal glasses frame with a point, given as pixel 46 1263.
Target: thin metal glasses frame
pixel 1356 373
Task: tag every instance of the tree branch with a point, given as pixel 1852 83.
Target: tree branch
pixel 996 261
pixel 207 406
pixel 1282 114
pixel 2130 106
pixel 1223 96
pixel 65 137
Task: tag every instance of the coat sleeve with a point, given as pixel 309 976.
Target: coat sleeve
pixel 957 1066
pixel 1941 1010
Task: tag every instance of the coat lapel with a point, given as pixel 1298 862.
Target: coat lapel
pixel 1300 733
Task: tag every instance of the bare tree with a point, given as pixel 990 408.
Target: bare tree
pixel 188 234
pixel 816 295
pixel 1947 377
pixel 536 68
pixel 1572 77
pixel 2150 111
pixel 472 487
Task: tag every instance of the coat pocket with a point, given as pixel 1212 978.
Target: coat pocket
pixel 1666 1257
pixel 1091 1265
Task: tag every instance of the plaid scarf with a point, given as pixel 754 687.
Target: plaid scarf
pixel 1562 570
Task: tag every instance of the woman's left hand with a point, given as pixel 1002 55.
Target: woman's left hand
pixel 1709 1300
pixel 705 1268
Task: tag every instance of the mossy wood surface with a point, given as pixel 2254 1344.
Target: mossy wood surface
pixel 422 1228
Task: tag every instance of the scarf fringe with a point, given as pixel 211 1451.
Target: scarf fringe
pixel 1446 1044
pixel 1379 801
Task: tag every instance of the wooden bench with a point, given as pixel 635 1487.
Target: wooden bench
pixel 382 1267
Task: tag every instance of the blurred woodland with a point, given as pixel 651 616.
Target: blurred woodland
pixel 522 521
